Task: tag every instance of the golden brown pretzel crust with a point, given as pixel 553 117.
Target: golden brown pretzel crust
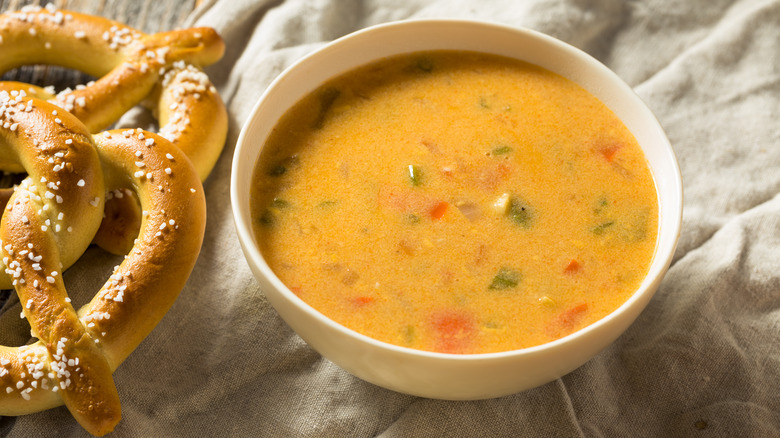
pixel 52 216
pixel 78 351
pixel 192 115
pixel 168 244
pixel 50 168
pixel 129 65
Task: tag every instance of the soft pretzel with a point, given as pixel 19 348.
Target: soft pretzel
pixel 58 207
pixel 132 68
pixel 129 66
pixel 137 183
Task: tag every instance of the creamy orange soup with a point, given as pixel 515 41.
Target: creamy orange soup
pixel 455 202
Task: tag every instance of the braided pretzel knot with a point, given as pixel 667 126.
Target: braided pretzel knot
pixel 57 207
pixel 132 68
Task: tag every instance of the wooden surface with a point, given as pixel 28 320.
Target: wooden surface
pixel 146 15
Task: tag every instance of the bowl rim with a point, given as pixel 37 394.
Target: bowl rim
pixel 662 256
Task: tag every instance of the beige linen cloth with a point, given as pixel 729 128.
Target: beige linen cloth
pixel 703 360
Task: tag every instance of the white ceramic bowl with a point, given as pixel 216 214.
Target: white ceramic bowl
pixel 440 375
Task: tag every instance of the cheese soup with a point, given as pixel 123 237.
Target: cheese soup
pixel 455 202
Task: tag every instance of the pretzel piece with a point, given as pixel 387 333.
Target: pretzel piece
pixel 77 366
pixel 61 145
pixel 131 67
pixel 77 351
